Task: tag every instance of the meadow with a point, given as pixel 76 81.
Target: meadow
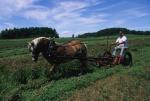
pixel 117 83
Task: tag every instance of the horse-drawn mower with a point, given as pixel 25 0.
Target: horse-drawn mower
pixel 107 59
pixel 57 54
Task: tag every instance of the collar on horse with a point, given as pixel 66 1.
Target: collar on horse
pixel 51 51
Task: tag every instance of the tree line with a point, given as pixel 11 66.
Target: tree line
pixel 113 31
pixel 28 32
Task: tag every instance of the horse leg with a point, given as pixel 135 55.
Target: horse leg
pixel 83 66
pixel 52 70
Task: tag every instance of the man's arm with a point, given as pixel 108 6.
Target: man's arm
pixel 115 43
pixel 120 43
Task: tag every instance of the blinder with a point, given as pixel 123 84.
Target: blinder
pixel 51 48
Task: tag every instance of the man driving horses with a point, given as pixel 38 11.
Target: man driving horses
pixel 121 43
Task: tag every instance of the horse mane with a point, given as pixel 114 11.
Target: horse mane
pixel 37 40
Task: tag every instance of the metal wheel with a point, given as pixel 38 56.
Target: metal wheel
pixel 106 58
pixel 127 59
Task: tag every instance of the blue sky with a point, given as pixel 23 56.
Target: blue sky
pixel 75 16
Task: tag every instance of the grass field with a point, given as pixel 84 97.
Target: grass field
pixel 100 84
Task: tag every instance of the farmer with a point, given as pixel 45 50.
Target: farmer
pixel 121 43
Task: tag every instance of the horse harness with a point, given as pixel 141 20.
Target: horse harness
pixel 51 51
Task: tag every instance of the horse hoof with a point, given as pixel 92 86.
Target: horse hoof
pixel 50 79
pixel 80 74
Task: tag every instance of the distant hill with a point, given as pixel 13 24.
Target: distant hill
pixel 113 31
pixel 28 32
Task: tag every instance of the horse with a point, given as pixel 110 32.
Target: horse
pixel 57 54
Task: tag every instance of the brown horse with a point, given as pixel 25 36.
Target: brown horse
pixel 57 54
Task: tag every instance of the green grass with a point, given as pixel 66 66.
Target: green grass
pixel 16 66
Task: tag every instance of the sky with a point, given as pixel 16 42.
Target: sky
pixel 75 16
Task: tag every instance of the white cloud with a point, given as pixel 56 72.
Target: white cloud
pixel 146 28
pixel 66 16
pixel 61 10
pixel 119 21
pixel 7 25
pixel 11 7
pixel 72 5
pixel 37 14
pixel 68 9
pixel 135 12
pixel 66 33
pixel 111 6
pixel 90 20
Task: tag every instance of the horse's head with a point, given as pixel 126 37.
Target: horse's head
pixel 36 46
pixel 34 51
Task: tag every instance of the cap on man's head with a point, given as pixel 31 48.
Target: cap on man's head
pixel 120 32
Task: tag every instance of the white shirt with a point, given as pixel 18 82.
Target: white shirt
pixel 122 39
